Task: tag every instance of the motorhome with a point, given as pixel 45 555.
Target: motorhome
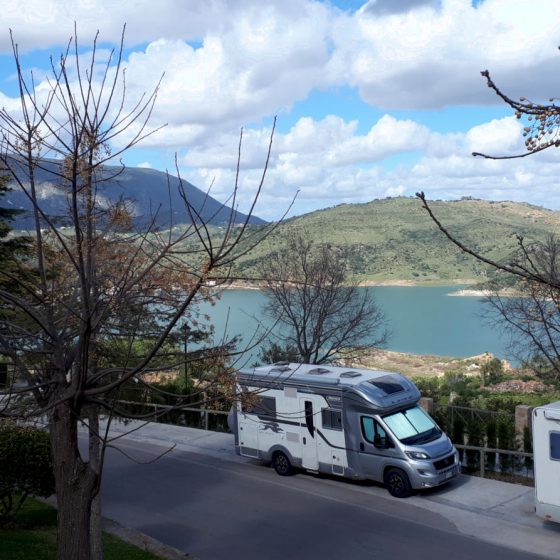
pixel 351 422
pixel 546 455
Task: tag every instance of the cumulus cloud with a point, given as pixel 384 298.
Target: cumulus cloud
pixel 229 64
pixel 311 159
pixel 432 57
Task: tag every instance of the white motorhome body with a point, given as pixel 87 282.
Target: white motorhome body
pixel 357 423
pixel 546 455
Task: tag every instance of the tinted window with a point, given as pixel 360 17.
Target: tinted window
pixel 265 406
pixel 372 428
pixel 309 418
pixel 368 428
pixel 555 445
pixel 332 419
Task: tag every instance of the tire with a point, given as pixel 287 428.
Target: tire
pixel 282 464
pixel 397 483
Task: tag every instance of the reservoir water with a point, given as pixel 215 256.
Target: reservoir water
pixel 422 320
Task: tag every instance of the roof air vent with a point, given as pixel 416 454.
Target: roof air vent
pixel 279 369
pixel 319 371
pixel 350 374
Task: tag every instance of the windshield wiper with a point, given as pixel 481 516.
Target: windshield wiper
pixel 424 437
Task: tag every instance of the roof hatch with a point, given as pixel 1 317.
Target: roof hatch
pixel 387 385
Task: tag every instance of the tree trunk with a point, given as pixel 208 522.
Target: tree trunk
pixel 95 465
pixel 75 486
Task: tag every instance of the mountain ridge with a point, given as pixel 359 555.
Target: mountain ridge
pixel 394 239
pixel 148 192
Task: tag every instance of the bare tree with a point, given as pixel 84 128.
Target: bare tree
pixel 532 318
pixel 542 130
pixel 531 315
pixel 321 314
pixel 98 283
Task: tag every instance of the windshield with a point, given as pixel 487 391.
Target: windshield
pixel 412 426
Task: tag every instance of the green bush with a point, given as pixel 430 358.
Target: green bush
pixel 475 435
pixel 491 443
pixel 25 467
pixel 506 440
pixel 528 448
pixel 492 372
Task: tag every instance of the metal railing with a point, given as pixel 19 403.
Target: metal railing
pixel 482 451
pixel 160 410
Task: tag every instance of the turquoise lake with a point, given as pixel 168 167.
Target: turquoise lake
pixel 422 320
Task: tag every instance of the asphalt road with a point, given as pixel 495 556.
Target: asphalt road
pixel 217 510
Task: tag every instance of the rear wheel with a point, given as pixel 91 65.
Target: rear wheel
pixel 282 464
pixel 397 483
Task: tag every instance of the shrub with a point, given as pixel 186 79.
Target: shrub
pixel 475 434
pixel 492 371
pixel 492 443
pixel 25 467
pixel 506 440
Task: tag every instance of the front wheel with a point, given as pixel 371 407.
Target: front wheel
pixel 397 483
pixel 282 464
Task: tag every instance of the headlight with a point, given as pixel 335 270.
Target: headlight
pixel 418 455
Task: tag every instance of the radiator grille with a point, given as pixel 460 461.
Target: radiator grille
pixel 445 462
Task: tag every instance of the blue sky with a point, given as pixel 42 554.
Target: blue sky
pixel 374 99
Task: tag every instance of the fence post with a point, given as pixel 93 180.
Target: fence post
pixel 482 466
pixel 523 415
pixel 205 413
pixel 427 403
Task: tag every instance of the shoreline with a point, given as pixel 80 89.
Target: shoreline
pixel 245 285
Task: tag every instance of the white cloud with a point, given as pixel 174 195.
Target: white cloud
pixel 498 137
pixel 248 60
pixel 311 159
pixel 253 60
pixel 432 57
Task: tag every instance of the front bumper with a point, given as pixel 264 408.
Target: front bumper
pixel 426 475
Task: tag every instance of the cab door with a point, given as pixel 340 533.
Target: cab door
pixel 376 447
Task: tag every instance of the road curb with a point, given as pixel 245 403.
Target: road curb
pixel 144 542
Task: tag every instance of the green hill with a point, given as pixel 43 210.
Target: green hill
pixel 395 239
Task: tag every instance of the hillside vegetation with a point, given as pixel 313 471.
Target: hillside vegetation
pixel 394 239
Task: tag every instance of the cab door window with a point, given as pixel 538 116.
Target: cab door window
pixel 374 433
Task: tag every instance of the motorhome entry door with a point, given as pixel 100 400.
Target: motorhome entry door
pixel 309 458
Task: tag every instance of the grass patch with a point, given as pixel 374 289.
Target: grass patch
pixel 33 535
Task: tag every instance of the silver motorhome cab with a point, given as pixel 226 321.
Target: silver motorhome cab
pixel 356 423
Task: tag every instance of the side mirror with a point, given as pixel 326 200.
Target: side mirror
pixel 382 442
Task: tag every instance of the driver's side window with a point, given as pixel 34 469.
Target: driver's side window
pixel 374 433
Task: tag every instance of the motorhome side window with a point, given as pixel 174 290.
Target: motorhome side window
pixel 555 445
pixel 332 419
pixel 264 406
